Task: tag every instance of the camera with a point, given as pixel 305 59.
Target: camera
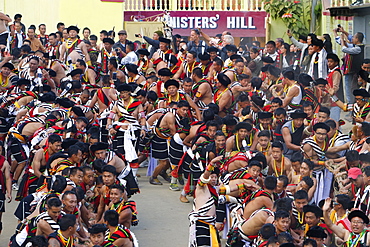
pixel 117 50
pixel 136 35
pixel 338 29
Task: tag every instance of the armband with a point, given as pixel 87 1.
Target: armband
pixel 241 187
pixel 321 163
pixel 228 190
pixel 210 168
pixel 224 190
pixel 89 63
pixel 349 107
pixel 334 98
pixel 111 115
pixel 202 181
pixel 110 126
pixel 198 95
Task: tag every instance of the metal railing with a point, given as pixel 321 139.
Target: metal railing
pixel 341 3
pixel 191 5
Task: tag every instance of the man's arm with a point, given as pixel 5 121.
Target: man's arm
pixel 44 228
pixel 84 51
pixel 194 106
pixel 340 232
pixel 299 45
pixel 291 94
pixel 53 242
pixel 62 51
pixel 36 164
pixel 152 42
pixel 288 140
pixel 169 120
pixel 179 72
pixel 5 17
pixel 8 180
pixel 91 76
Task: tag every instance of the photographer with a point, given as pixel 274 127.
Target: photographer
pixel 154 42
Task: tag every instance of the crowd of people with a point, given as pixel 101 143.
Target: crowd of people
pixel 253 134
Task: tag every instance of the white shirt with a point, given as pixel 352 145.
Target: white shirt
pixel 131 57
pixel 20 39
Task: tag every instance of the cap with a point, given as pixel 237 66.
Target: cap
pixel 354 172
pixel 9 66
pixel 267 60
pixel 124 87
pixel 264 115
pixel 122 32
pixel 232 48
pixel 75 72
pixel 144 52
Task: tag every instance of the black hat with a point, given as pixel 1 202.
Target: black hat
pixel 298 114
pixel 171 83
pixel 99 146
pixel 274 71
pixel 360 214
pixel 78 111
pixel 321 81
pixel 9 66
pixel 365 157
pixel 108 40
pixel 70 28
pixel 313 209
pixel 304 79
pixel 302 37
pixel 144 52
pixel 268 59
pixel 132 68
pixel 64 102
pixel 287 245
pixel 75 72
pixel 162 39
pixel 361 92
pixel 265 68
pixel 68 142
pixel 235 56
pixel 321 126
pixel 23 81
pixel 231 48
pixel 51 72
pixel 48 97
pixel 243 125
pixel 223 79
pixel 316 232
pixel 204 57
pixel 212 49
pixel 333 56
pixel 317 42
pixel 97 228
pixel 124 87
pixel 172 58
pixel 258 100
pixel 264 115
pixel 164 72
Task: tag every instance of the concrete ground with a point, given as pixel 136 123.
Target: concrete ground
pixel 162 217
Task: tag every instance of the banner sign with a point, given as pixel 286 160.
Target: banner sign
pixel 238 23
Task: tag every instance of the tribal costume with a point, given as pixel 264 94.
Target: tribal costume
pixel 73 46
pixel 205 68
pixel 197 94
pixel 126 176
pixel 361 112
pixel 188 69
pixel 123 205
pixel 63 241
pixel 126 118
pixel 117 234
pixel 323 176
pixel 202 230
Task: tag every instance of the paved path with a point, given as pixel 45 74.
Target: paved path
pixel 162 217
